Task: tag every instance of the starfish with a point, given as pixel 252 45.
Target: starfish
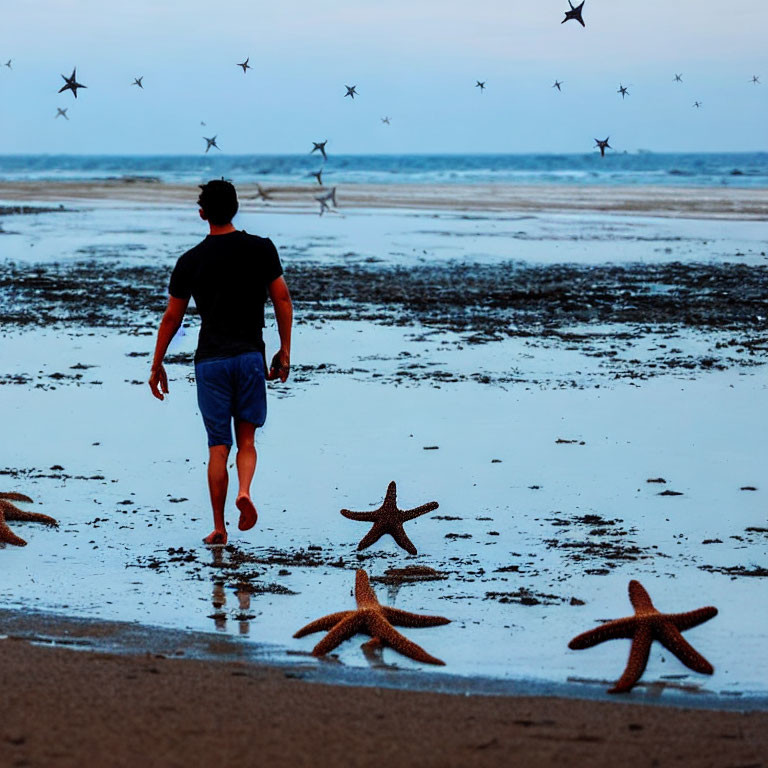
pixel 71 84
pixel 318 175
pixel 385 120
pixel 643 628
pixel 678 78
pixel 319 146
pixel 603 145
pixel 389 519
pixel 697 104
pixel 756 79
pixel 574 13
pixel 10 511
pixel 351 91
pixel 61 113
pixel 557 85
pixel 262 193
pixel 480 84
pixel 375 620
pixel 211 143
pixel 328 196
pixel 8 64
pixel 137 81
pixel 245 65
pixel 623 91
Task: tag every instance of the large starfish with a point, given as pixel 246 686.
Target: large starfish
pixel 374 619
pixel 574 13
pixel 643 628
pixel 603 145
pixel 71 84
pixel 389 519
pixel 10 511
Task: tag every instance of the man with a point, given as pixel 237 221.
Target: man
pixel 229 274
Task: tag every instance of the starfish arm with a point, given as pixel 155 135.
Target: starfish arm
pixel 402 540
pixel 638 659
pixel 17 496
pixel 364 594
pixel 341 632
pixel 675 643
pixel 12 512
pixel 7 536
pixel 391 497
pixel 366 517
pixel 638 595
pixel 611 630
pixel 373 535
pixel 410 514
pixel 324 623
pixel 406 619
pixel 380 628
pixel 692 619
pixel 63 88
pixel 581 21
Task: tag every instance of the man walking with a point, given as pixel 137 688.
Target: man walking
pixel 229 275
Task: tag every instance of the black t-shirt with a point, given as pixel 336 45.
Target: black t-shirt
pixel 228 276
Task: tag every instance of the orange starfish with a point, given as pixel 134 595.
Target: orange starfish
pixel 389 519
pixel 374 619
pixel 10 511
pixel 643 628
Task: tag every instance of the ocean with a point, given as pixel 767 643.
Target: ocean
pixel 620 169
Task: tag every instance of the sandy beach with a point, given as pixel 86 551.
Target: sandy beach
pixel 575 375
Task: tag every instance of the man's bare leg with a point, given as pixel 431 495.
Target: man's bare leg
pixel 218 480
pixel 246 466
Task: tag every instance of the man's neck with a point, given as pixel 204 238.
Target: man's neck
pixel 224 229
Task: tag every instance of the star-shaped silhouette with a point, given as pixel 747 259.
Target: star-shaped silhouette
pixel 137 81
pixel 389 519
pixel 643 628
pixel 623 91
pixel 557 85
pixel 374 619
pixel 318 175
pixel 697 104
pixel 351 91
pixel 8 64
pixel 385 120
pixel 211 143
pixel 263 194
pixel 480 84
pixel 71 84
pixel 678 78
pixel 61 113
pixel 319 146
pixel 756 79
pixel 603 145
pixel 245 65
pixel 574 13
pixel 10 511
pixel 324 199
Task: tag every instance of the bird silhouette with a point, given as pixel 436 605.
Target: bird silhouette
pixel 481 85
pixel 678 78
pixel 623 91
pixel 61 113
pixel 557 85
pixel 71 84
pixel 351 91
pixel 603 145
pixel 137 81
pixel 574 13
pixel 319 146
pixel 211 143
pixel 245 65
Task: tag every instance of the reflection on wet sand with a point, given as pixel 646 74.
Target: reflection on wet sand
pixel 219 597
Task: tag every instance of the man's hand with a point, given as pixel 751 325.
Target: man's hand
pixel 280 366
pixel 158 382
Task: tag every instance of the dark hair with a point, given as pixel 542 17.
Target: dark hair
pixel 218 199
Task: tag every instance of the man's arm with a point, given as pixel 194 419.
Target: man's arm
pixel 281 299
pixel 171 322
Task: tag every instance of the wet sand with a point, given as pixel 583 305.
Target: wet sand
pixel 68 708
pixel 676 202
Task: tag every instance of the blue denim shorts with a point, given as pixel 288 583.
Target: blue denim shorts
pixel 231 387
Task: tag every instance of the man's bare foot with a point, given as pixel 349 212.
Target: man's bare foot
pixel 248 514
pixel 217 538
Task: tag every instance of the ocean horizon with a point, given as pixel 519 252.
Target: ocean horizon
pixel 640 168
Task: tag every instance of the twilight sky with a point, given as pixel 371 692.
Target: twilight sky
pixel 414 60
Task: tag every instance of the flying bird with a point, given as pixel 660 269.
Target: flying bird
pixel 678 78
pixel 245 65
pixel 557 85
pixel 756 79
pixel 385 120
pixel 71 84
pixel 603 145
pixel 574 13
pixel 623 91
pixel 481 85
pixel 211 143
pixel 320 146
pixel 351 91
pixel 697 104
pixel 61 113
pixel 318 175
pixel 137 81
